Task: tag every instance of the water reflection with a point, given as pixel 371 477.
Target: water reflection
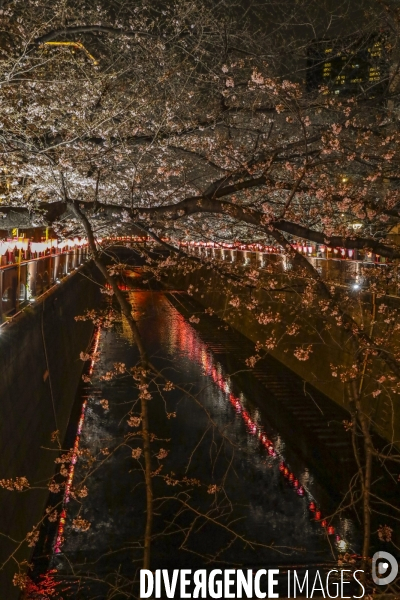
pixel 184 340
pixel 234 472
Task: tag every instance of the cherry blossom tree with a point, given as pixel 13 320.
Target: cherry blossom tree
pixel 191 122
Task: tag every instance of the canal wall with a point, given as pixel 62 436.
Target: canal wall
pixel 329 341
pixel 40 373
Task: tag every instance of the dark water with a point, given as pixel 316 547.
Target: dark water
pixel 215 435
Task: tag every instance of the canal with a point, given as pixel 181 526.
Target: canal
pixel 233 484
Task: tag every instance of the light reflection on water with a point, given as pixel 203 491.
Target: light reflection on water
pixel 219 436
pixel 182 339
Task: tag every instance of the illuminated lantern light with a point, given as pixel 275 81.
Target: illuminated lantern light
pixel 5 247
pixel 337 538
pixel 286 472
pixel 282 467
pixel 350 253
pixel 309 248
pixel 317 515
pixel 335 250
pixel 312 506
pixel 296 484
pixel 324 523
pixel 331 530
pixel 300 491
pixel 271 451
pixel 291 477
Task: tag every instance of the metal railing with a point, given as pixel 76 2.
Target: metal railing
pixel 23 281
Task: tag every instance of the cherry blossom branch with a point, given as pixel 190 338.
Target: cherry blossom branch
pixel 114 31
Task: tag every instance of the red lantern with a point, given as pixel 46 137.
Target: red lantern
pixel 312 506
pixel 317 515
pixel 331 530
pixel 324 523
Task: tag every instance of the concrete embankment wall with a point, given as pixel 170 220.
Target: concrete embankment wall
pixel 328 346
pixel 40 373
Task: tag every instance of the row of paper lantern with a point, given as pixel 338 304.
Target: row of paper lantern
pixel 323 249
pixel 236 246
pixel 48 244
pixel 10 245
pixel 23 243
pixel 344 253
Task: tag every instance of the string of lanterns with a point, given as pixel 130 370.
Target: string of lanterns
pixel 303 248
pixel 25 244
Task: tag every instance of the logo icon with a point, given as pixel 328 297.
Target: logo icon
pixel 384 568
